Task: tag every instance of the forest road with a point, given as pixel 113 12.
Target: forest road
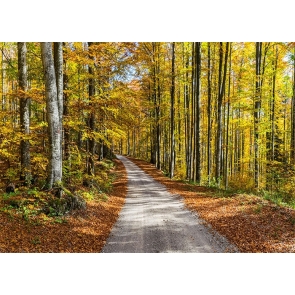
pixel 155 221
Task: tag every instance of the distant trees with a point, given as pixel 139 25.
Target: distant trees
pixel 232 131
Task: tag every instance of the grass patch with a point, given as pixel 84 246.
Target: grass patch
pixel 280 199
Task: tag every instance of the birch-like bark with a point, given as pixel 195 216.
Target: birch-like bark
pixel 66 129
pixel 58 66
pixel 25 103
pixel 53 117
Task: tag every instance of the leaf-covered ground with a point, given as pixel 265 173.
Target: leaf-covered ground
pixel 250 222
pixel 82 232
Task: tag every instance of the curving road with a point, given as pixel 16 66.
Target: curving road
pixel 153 220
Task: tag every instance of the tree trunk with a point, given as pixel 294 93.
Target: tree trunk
pixel 25 103
pixel 209 107
pixel 221 87
pixel 53 116
pixel 227 125
pixel 292 147
pixel 91 118
pixel 172 111
pixel 158 108
pixel 58 66
pixel 66 113
pixel 187 118
pixel 257 107
pixel 197 86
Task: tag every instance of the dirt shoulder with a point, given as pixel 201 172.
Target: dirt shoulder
pixel 83 232
pixel 252 224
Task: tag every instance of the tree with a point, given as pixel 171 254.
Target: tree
pixel 53 116
pixel 209 108
pixel 25 103
pixel 292 145
pixel 91 117
pixel 172 112
pixel 221 89
pixel 66 130
pixel 197 112
pixel 58 66
pixel 257 107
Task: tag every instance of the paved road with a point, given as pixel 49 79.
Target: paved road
pixel 153 220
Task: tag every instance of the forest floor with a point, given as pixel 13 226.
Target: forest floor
pixel 250 222
pixel 84 231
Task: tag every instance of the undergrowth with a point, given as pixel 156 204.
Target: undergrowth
pixel 37 205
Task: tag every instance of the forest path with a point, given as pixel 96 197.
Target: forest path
pixel 153 220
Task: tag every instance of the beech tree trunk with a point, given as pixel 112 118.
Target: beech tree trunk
pixel 91 118
pixel 292 146
pixel 158 108
pixel 257 106
pixel 197 145
pixel 195 124
pixel 172 111
pixel 58 66
pixel 66 130
pixel 53 116
pixel 221 84
pixel 209 108
pixel 227 124
pixel 25 103
pixel 187 118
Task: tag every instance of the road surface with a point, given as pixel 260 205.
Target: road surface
pixel 155 221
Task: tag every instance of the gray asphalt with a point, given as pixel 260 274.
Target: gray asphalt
pixel 155 221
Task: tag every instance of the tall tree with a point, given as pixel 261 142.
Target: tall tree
pixel 25 103
pixel 187 116
pixel 209 108
pixel 53 116
pixel 66 130
pixel 58 66
pixel 172 113
pixel 221 90
pixel 197 112
pixel 292 145
pixel 91 117
pixel 227 123
pixel 257 107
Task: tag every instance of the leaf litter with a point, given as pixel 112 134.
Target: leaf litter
pixel 83 231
